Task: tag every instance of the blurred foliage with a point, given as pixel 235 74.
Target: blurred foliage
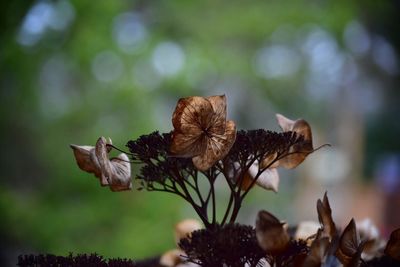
pixel 68 78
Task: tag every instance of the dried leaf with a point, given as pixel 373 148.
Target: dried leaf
pixel 271 233
pixel 393 245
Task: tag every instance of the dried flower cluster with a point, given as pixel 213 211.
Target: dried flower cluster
pixel 205 145
pixel 271 244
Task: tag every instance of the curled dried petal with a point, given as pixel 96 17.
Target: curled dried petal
pixel 298 152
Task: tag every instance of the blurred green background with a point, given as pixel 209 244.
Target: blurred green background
pixel 72 71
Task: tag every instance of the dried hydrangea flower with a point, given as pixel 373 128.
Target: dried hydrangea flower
pixel 115 173
pixel 87 161
pixel 201 130
pixel 298 152
pixel 272 235
pixel 350 249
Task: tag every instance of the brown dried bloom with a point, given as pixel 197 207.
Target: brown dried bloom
pixel 201 130
pixel 298 152
pixel 115 173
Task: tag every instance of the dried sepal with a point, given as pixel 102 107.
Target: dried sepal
pixel 298 152
pixel 115 173
pixel 271 234
pixel 268 179
pixel 325 218
pixel 85 160
pixel 318 250
pixel 393 245
pixel 369 235
pixel 201 130
pixel 349 249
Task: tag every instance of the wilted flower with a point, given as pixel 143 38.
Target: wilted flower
pixel 115 173
pixel 201 130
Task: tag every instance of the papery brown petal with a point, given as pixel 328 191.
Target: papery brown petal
pixel 268 161
pixel 285 123
pixel 298 152
pixel 268 179
pixel 218 147
pixel 218 121
pixel 271 233
pixel 348 244
pixel 393 245
pixel 184 145
pixel 83 159
pixel 192 115
pixel 317 253
pixel 120 178
pixel 104 162
pixel 325 218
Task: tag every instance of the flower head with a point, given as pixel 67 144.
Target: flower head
pixel 115 172
pixel 201 130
